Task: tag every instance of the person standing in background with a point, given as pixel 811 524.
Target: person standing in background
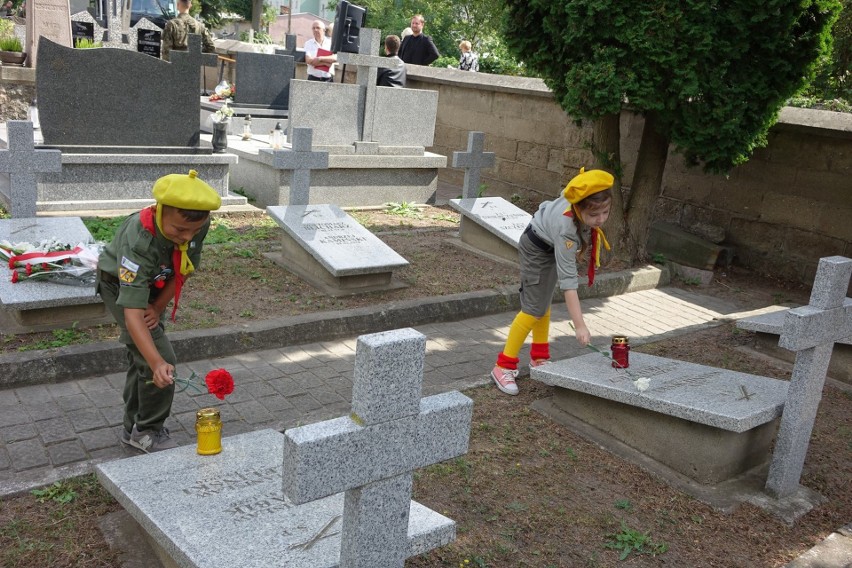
pixel 318 55
pixel 387 76
pixel 176 33
pixel 468 61
pixel 418 49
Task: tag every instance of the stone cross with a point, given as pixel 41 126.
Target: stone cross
pixel 372 453
pixel 473 161
pixel 811 332
pixel 22 162
pixel 368 67
pixel 289 46
pixel 301 159
pixel 193 54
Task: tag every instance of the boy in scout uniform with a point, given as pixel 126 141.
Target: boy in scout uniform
pixel 140 272
pixel 547 254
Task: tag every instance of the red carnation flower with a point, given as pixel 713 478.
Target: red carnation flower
pixel 15 277
pixel 220 383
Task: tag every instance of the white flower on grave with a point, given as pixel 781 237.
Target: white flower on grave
pixel 224 114
pixel 642 383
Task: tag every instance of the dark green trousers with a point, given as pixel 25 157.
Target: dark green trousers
pixel 145 405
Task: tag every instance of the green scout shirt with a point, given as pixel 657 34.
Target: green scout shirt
pixel 176 35
pixel 557 229
pixel 136 258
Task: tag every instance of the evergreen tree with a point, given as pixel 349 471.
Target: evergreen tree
pixel 710 78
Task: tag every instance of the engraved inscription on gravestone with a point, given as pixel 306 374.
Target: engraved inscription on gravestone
pixel 82 30
pixel 148 42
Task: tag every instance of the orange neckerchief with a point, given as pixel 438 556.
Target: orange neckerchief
pixel 147 218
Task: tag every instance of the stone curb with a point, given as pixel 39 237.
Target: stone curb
pixel 95 359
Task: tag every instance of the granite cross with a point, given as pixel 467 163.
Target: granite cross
pixel 372 453
pixel 473 161
pixel 22 162
pixel 301 159
pixel 368 68
pixel 811 332
pixel 193 55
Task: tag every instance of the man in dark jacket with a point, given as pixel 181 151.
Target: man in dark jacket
pixel 418 49
pixel 391 76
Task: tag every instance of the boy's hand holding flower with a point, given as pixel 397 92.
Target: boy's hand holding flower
pixel 219 383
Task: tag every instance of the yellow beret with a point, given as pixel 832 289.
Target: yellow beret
pixel 587 183
pixel 186 192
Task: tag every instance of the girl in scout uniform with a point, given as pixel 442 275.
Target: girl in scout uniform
pixel 140 272
pixel 547 254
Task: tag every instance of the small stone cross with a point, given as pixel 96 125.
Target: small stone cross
pixel 372 453
pixel 22 162
pixel 811 332
pixel 193 56
pixel 301 160
pixel 473 161
pixel 368 67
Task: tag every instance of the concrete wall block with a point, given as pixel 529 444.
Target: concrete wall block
pixel 534 155
pixel 505 148
pixel 833 219
pixel 668 210
pixel 693 214
pixel 450 136
pixel 764 238
pixel 527 108
pixel 829 186
pixel 536 131
pixel 575 158
pixel 791 210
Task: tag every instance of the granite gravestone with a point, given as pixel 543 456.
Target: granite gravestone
pixel 705 423
pixel 300 159
pixel 325 246
pixel 768 327
pixel 23 162
pixel 263 80
pixel 165 117
pixel 488 224
pixel 811 332
pixel 39 306
pixel 118 22
pixel 491 225
pixel 473 161
pixel 365 116
pixel 372 453
pixel 242 506
pixel 48 19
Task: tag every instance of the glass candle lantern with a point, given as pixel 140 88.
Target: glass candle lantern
pixel 208 426
pixel 620 350
pixel 247 127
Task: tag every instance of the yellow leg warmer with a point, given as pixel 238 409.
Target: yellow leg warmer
pixel 541 328
pixel 518 332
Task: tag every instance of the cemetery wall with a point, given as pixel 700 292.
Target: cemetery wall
pixel 787 206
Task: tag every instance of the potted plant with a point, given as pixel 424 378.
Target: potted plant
pixel 221 119
pixel 11 50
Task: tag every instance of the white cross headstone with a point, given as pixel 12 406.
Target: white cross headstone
pixel 372 453
pixel 368 67
pixel 22 161
pixel 301 160
pixel 473 161
pixel 811 332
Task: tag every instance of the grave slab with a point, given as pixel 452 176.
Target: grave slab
pixel 491 225
pixel 230 509
pixel 48 305
pixel 708 424
pixel 768 328
pixel 332 251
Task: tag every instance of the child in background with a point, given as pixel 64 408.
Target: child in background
pixel 468 61
pixel 547 254
pixel 139 273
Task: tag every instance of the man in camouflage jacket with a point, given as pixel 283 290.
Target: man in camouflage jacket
pixel 176 34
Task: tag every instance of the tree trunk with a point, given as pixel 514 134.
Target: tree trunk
pixel 606 147
pixel 647 180
pixel 256 14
